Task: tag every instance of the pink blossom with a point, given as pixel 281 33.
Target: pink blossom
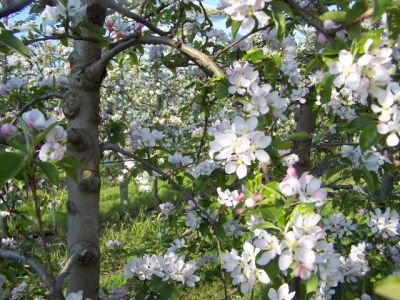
pixel 303 271
pixel 291 172
pixel 241 197
pixel 57 134
pixel 51 151
pixel 239 212
pixel 8 129
pixel 290 186
pixel 34 119
pixel 259 197
pixel 250 202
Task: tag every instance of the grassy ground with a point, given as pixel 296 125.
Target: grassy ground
pixel 136 227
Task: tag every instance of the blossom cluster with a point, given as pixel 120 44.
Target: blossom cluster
pixel 371 159
pixel 146 136
pixel 244 78
pixel 52 14
pixel 385 224
pixel 239 145
pixel 246 12
pixel 34 120
pixel 371 76
pixel 307 187
pixel 170 266
pixel 52 149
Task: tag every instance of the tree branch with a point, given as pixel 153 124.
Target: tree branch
pixel 59 37
pixel 127 13
pixel 145 163
pixel 203 60
pixel 233 44
pixel 13 6
pixel 306 15
pixel 33 263
pixel 32 102
pixel 65 270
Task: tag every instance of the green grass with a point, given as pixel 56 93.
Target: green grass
pixel 136 226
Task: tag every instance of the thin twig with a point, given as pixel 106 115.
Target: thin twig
pixel 127 13
pixel 32 186
pixel 59 37
pixel 306 15
pixel 210 23
pixel 233 44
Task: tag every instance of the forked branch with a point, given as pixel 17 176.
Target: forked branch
pixel 203 60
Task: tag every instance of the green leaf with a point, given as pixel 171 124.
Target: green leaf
pixel 267 225
pixel 235 25
pixel 393 14
pixel 334 15
pixel 70 165
pixel 280 144
pixel 312 64
pixel 272 268
pixel 312 284
pixel 300 135
pixel 334 47
pixel 222 93
pixel 324 88
pixel 9 40
pixel 369 136
pixel 255 54
pixel 231 179
pixel 11 164
pixel 359 123
pixel 358 44
pixel 389 287
pixel 51 172
pixel 95 31
pixel 274 214
pixel 372 180
pixel 42 135
pixel 379 8
pixel 280 23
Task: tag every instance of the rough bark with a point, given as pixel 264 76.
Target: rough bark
pixel 81 107
pixel 305 118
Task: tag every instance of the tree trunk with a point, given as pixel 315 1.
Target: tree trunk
pixel 124 195
pixel 81 107
pixel 305 118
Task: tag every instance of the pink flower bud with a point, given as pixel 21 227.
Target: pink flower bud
pixel 241 197
pixel 322 39
pixel 258 197
pixel 34 119
pixel 291 172
pixel 8 130
pixel 239 212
